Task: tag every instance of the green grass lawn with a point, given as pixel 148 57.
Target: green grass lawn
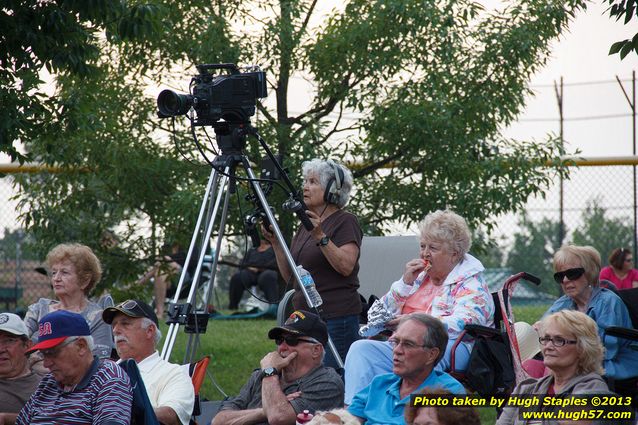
pixel 237 346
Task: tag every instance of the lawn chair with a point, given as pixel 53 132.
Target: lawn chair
pixel 495 365
pixel 197 372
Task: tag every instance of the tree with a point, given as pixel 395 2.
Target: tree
pixel 417 91
pixel 627 10
pixel 533 250
pixel 603 233
pixel 61 37
pixel 535 244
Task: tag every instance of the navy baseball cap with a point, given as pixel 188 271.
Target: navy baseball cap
pixel 56 327
pixel 302 323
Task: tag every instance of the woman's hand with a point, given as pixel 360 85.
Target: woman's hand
pixel 315 219
pixel 412 270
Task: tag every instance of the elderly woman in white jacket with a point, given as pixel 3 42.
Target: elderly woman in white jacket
pixel 445 282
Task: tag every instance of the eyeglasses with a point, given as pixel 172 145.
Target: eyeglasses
pixel 8 342
pixel 571 274
pixel 407 344
pixel 55 351
pixel 293 341
pixel 557 341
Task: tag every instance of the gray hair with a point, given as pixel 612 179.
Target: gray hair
pixel 435 334
pixel 146 322
pixel 90 344
pixel 447 227
pixel 324 172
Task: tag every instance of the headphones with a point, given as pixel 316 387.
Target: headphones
pixel 333 188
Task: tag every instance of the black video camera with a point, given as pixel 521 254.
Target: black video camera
pixel 229 97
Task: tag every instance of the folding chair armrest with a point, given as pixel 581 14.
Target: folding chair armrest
pixel 626 333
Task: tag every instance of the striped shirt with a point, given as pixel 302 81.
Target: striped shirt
pixel 103 397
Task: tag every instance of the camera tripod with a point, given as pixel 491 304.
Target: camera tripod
pixel 221 184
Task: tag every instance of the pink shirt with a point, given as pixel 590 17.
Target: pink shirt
pixel 607 273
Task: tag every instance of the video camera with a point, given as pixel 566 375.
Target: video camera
pixel 229 97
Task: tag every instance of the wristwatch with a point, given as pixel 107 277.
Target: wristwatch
pixel 323 241
pixel 269 371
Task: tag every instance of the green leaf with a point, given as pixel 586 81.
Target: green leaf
pixel 626 49
pixel 615 48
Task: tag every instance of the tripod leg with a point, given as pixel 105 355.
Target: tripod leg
pixel 214 190
pixel 282 242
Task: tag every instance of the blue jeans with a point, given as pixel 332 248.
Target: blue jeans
pixel 343 331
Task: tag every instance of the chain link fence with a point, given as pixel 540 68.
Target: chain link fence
pixel 597 209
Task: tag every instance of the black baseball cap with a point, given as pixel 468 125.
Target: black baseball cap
pixel 132 308
pixel 302 323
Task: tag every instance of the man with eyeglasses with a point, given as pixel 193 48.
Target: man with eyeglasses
pixel 17 380
pixel 291 379
pixel 136 332
pixel 80 388
pixel 418 344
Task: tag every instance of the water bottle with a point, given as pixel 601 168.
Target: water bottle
pixel 305 416
pixel 311 289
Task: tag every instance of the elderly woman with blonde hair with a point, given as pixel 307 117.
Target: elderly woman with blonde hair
pixel 74 271
pixel 577 271
pixel 445 282
pixel 573 354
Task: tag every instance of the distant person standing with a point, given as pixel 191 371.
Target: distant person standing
pixel 621 271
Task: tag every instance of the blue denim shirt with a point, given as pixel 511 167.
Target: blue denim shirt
pixel 607 309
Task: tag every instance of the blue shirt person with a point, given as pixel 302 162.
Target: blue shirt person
pixel 418 344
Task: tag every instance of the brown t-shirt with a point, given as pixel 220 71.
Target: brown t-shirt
pixel 338 292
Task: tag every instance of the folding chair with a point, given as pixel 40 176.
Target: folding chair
pixel 142 411
pixel 197 372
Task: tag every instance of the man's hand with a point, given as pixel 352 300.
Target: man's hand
pixel 276 360
pixel 292 396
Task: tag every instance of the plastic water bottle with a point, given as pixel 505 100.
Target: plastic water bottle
pixel 311 289
pixel 304 417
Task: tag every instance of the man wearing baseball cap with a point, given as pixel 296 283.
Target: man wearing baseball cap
pixel 291 379
pixel 17 381
pixel 80 388
pixel 170 389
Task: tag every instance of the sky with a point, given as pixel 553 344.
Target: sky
pixel 590 91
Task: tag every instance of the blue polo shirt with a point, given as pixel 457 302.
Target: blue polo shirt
pixel 381 403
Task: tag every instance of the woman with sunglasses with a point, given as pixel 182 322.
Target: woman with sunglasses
pixel 74 271
pixel 620 270
pixel 577 269
pixel 573 355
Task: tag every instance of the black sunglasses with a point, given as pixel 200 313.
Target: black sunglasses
pixel 571 274
pixel 292 340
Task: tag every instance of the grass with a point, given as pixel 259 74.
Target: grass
pixel 237 346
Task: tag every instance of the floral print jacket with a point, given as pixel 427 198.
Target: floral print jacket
pixel 462 299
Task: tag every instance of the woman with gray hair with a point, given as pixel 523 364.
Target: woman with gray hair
pixel 577 271
pixel 330 251
pixel 573 354
pixel 445 282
